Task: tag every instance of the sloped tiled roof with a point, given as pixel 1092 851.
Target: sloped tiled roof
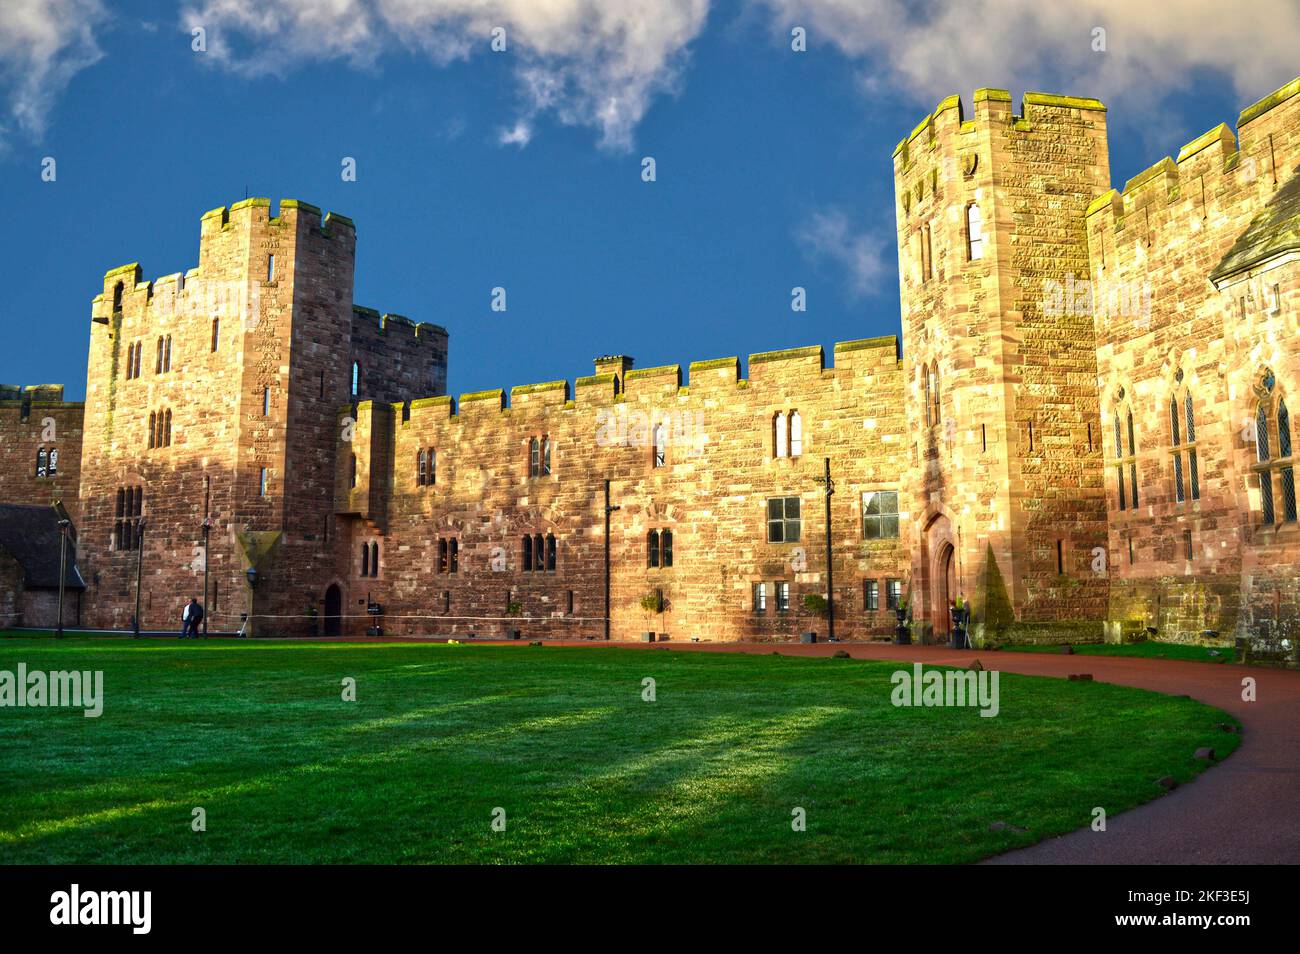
pixel 1274 230
pixel 31 536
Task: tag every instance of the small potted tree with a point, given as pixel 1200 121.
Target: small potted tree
pixel 513 608
pixel 902 631
pixel 650 604
pixel 814 604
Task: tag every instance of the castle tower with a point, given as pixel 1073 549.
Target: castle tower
pixel 215 394
pixel 1004 471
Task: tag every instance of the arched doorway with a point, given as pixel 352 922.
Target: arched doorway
pixel 333 611
pixel 945 585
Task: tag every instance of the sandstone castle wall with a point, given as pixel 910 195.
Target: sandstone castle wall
pixel 1039 307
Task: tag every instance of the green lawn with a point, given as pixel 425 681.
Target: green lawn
pixel 1146 650
pixel 257 734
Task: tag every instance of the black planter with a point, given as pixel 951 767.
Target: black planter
pixel 808 637
pixel 902 634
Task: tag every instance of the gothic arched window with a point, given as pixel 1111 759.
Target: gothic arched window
pixel 1275 471
pixel 974 233
pixel 1182 429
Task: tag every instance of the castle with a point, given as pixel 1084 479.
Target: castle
pixel 1085 433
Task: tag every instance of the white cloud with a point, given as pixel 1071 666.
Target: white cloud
pixel 588 62
pixel 43 45
pixel 954 46
pixel 520 134
pixel 828 236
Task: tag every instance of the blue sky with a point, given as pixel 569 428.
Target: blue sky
pixel 773 167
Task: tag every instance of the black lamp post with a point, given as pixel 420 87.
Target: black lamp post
pixel 608 510
pixel 139 568
pixel 63 567
pixel 830 563
pixel 206 527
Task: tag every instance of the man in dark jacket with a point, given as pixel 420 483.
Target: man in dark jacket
pixel 193 616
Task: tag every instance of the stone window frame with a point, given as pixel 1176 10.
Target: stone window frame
pixel 126 523
pixel 787 434
pixel 871 596
pixel 930 394
pixel 1121 425
pixel 758 597
pixel 880 516
pixel 784 520
pixel 539 456
pixel 163 362
pixel 538 553
pixel 426 467
pixel 1274 463
pixel 370 559
pixel 781 595
pixel 448 555
pixel 1182 443
pixel 927 253
pixel 659 549
pixel 893 593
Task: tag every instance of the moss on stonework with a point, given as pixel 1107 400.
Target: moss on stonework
pixel 537 388
pixel 257 202
pixel 884 341
pixel 1067 102
pixel 1275 98
pixel 811 351
pixel 133 268
pixel 654 372
pixel 1165 165
pixel 995 95
pixel 333 217
pixel 497 393
pixel 594 379
pixel 1220 133
pixel 213 213
pixel 299 205
pixel 431 401
pixel 1101 202
pixel 714 363
pixel 948 102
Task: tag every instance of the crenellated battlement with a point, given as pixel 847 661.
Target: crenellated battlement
pixel 371 319
pixel 991 107
pixel 34 395
pixel 221 260
pixel 247 212
pixel 1216 177
pixel 779 371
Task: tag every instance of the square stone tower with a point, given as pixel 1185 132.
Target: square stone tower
pixel 1004 476
pixel 216 394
